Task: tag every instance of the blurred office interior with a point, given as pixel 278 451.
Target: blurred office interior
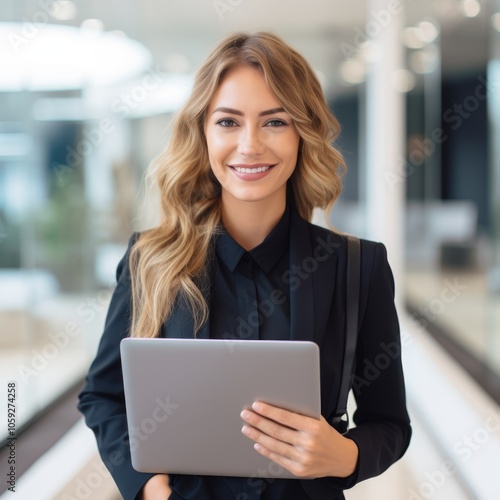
pixel 87 92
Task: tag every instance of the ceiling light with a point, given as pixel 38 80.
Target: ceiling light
pixel 403 80
pixel 92 25
pixel 428 31
pixel 61 57
pixel 412 39
pixel 353 71
pixel 63 10
pixel 471 8
pixel 495 21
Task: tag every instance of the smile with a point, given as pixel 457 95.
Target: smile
pixel 257 170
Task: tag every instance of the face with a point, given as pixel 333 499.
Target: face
pixel 252 142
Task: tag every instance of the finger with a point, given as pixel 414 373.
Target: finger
pixel 282 416
pixel 270 428
pixel 285 462
pixel 270 443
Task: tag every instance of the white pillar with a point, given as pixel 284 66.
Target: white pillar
pixel 385 134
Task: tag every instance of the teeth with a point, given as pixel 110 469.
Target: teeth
pixel 251 170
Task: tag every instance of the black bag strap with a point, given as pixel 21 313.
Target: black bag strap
pixel 341 418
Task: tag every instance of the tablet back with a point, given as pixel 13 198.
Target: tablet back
pixel 184 398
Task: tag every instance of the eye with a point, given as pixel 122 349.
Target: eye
pixel 276 123
pixel 226 122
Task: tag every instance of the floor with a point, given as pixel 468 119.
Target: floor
pixel 462 305
pixel 458 301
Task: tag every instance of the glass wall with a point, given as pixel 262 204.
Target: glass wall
pixel 85 105
pixel 76 133
pixel 450 170
pixel 451 218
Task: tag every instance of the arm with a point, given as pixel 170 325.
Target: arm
pixel 311 448
pixel 102 400
pixel 382 430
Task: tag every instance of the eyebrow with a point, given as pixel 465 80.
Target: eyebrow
pixel 239 113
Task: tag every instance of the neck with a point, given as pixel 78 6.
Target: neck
pixel 250 222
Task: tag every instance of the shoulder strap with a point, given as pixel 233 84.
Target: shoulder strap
pixel 341 419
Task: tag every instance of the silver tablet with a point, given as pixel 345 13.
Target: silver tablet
pixel 184 398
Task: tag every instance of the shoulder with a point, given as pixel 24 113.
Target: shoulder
pixel 371 251
pixel 376 276
pixel 123 265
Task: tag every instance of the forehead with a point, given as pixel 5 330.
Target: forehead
pixel 243 86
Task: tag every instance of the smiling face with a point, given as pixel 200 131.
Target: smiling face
pixel 252 142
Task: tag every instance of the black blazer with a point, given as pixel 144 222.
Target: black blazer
pixel 317 312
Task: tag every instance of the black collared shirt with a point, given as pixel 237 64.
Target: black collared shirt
pixel 250 299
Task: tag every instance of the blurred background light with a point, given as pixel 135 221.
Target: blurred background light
pixel 428 31
pixel 63 10
pixel 92 25
pixel 495 21
pixel 411 38
pixel 353 71
pixel 403 80
pixel 471 8
pixel 66 57
pixel 370 51
pixel 424 61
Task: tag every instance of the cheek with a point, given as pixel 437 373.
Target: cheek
pixel 218 147
pixel 291 148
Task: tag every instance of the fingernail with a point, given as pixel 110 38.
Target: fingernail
pixel 257 406
pixel 245 430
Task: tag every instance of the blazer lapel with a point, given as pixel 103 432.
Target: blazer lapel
pixel 313 263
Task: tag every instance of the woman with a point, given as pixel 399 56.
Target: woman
pixel 250 156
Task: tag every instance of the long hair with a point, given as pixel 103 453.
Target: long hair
pixel 169 263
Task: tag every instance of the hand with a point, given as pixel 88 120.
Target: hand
pixel 306 447
pixel 156 488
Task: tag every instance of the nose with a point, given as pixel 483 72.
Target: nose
pixel 250 142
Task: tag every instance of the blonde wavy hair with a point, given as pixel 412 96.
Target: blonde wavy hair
pixel 169 263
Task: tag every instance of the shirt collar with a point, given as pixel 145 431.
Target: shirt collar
pixel 266 255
